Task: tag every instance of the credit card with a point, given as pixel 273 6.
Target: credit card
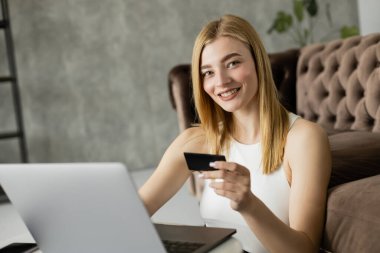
pixel 19 248
pixel 198 161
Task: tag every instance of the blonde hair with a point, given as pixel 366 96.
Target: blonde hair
pixel 217 123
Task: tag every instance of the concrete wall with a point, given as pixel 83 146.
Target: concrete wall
pixel 369 16
pixel 93 73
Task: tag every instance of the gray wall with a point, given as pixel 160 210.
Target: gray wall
pixel 93 73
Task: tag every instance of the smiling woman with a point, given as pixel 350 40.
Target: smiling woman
pixel 224 61
pixel 239 34
pixel 272 188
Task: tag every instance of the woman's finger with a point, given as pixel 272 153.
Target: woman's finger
pixel 215 174
pixel 230 166
pixel 226 175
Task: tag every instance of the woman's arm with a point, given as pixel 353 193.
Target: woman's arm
pixel 309 158
pixel 308 154
pixel 172 171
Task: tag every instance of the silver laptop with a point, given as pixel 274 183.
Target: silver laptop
pixel 93 207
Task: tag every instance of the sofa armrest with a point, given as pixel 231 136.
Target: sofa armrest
pixel 355 155
pixel 180 94
pixel 352 218
pixel 284 68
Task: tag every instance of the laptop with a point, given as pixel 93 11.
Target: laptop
pixel 94 207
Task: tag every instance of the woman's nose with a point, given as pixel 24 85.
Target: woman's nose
pixel 222 78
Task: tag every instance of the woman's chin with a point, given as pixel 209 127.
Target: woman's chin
pixel 230 108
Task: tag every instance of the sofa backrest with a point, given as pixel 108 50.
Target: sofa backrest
pixel 338 84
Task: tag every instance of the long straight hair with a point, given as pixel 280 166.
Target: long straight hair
pixel 217 123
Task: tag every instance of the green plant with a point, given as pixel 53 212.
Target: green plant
pixel 305 14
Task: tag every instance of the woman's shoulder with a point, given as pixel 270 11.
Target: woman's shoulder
pixel 306 137
pixel 303 129
pixel 195 131
pixel 192 139
pixel 307 150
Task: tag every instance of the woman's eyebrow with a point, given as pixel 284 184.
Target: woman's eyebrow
pixel 225 58
pixel 229 56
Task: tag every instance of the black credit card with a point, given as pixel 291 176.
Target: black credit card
pixel 197 161
pixel 19 248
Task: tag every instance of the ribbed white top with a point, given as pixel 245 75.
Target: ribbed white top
pixel 272 189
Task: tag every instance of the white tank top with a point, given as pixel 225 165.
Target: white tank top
pixel 273 190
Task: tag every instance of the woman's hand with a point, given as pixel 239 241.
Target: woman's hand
pixel 232 181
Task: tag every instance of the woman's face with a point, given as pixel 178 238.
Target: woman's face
pixel 229 74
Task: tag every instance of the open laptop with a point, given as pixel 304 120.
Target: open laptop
pixel 93 207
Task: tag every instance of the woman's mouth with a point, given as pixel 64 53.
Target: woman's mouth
pixel 228 94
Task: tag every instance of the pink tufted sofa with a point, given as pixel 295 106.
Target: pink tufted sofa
pixel 337 85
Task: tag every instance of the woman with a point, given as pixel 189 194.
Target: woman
pixel 272 188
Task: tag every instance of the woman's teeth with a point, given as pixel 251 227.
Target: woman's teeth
pixel 229 93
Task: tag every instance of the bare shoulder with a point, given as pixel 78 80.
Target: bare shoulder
pixel 307 145
pixel 191 140
pixel 304 130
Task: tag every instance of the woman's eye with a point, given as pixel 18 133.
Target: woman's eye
pixel 207 73
pixel 232 64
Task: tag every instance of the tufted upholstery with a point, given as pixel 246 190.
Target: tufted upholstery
pixel 338 84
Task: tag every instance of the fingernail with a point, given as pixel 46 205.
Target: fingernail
pixel 212 164
pixel 219 180
pixel 201 175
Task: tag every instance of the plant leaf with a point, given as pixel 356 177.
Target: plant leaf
pixel 282 23
pixel 298 9
pixel 311 7
pixel 348 31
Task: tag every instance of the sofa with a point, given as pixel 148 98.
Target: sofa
pixel 337 85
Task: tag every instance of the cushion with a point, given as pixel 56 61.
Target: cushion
pixel 355 155
pixel 352 219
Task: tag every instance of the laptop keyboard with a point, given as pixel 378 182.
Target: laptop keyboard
pixel 181 247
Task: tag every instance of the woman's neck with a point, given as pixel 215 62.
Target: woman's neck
pixel 246 127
